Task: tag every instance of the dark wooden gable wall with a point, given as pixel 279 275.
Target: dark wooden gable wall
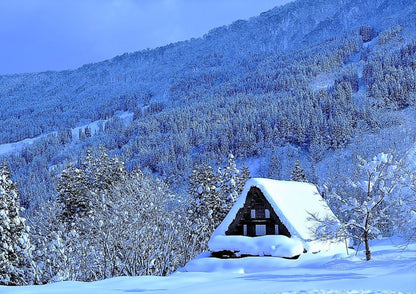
pixel 258 222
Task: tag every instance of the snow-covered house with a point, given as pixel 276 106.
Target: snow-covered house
pixel 273 218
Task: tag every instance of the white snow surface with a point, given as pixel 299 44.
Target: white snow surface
pixel 18 146
pixel 273 245
pixel 323 81
pixel 126 116
pixel 391 270
pixel 293 202
pixel 8 148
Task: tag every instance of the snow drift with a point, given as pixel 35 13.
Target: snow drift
pixel 271 245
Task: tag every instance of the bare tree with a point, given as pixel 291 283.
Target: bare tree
pixel 367 206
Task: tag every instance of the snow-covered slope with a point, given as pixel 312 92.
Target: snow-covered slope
pixel 392 270
pixel 17 146
pixel 94 127
pixel 250 88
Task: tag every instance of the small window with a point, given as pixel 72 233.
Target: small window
pixel 253 213
pixel 245 230
pixel 267 213
pixel 276 229
pixel 259 210
pixel 260 230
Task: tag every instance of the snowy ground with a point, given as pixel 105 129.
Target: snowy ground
pixel 8 148
pixel 18 146
pixel 392 270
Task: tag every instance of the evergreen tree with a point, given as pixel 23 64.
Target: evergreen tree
pixel 367 33
pixel 203 188
pixel 73 195
pixel 15 248
pixel 229 182
pixel 53 248
pixel 298 173
pixel 243 178
pixel 212 197
pixel 274 167
pixel 101 171
pixel 206 208
pixel 87 246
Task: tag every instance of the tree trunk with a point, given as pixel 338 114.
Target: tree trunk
pixel 367 246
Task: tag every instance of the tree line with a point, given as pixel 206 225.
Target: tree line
pixel 107 222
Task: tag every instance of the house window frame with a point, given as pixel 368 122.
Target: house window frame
pixel 260 230
pixel 245 230
pixel 276 229
pixel 267 213
pixel 253 213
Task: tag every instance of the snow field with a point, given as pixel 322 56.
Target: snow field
pixel 392 270
pixel 8 148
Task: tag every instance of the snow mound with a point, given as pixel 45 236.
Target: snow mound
pixel 272 245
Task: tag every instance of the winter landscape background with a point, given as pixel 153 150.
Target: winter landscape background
pixel 126 166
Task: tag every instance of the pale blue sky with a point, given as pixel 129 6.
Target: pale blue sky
pixel 39 35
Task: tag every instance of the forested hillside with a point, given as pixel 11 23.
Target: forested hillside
pixel 240 89
pixel 316 81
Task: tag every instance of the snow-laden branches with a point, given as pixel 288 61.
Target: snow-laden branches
pixel 15 248
pixel 108 222
pixel 213 195
pixel 373 203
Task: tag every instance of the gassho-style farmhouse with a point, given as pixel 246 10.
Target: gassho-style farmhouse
pixel 273 218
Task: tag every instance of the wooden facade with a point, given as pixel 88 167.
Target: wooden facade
pixel 257 218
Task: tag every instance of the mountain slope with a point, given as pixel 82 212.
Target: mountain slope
pixel 248 88
pixel 226 54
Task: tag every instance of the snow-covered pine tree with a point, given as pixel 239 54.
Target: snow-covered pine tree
pixel 203 189
pixel 73 195
pixel 52 246
pixel 81 191
pixel 87 132
pixel 229 182
pixel 213 194
pixel 298 173
pixel 206 208
pixel 274 166
pixel 101 170
pixel 76 229
pixel 94 226
pixel 15 249
pixel 243 178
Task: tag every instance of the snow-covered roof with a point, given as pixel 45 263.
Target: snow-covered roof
pixel 293 202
